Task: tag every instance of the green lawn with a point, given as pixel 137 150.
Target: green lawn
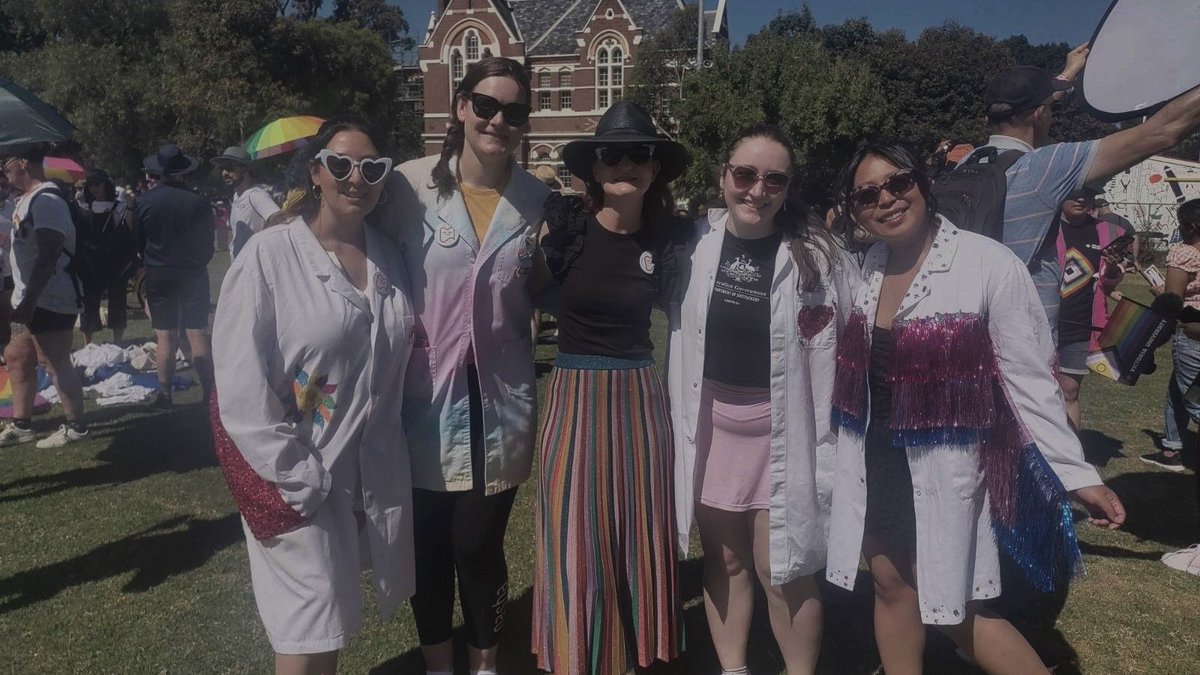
pixel 125 554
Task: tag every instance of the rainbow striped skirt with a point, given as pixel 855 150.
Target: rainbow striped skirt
pixel 606 592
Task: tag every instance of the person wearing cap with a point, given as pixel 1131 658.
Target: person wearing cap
pixel 47 301
pixel 175 226
pixel 107 255
pixel 252 203
pixel 1018 104
pixel 1090 273
pixel 606 590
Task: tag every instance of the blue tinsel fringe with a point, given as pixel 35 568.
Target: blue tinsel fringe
pixel 847 422
pixel 1042 539
pixel 912 438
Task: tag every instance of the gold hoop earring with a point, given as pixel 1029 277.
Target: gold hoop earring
pixel 383 196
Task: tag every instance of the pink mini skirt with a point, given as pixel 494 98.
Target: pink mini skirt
pixel 733 447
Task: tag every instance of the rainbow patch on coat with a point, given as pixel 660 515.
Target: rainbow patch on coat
pixel 314 395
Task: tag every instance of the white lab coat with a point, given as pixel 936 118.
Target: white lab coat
pixel 803 441
pixel 288 316
pixel 957 558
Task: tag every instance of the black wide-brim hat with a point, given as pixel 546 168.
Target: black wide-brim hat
pixel 626 123
pixel 170 161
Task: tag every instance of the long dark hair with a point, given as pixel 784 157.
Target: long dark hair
pixel 811 244
pixel 445 177
pixel 898 155
pixel 98 177
pixel 300 199
pixel 1189 219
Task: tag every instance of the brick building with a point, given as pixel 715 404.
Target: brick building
pixel 580 53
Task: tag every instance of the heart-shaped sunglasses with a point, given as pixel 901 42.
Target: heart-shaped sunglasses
pixel 372 169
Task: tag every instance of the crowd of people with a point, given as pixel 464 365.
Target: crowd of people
pixel 893 386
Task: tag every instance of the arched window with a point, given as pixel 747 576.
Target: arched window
pixel 610 74
pixel 472 46
pixel 564 77
pixel 457 69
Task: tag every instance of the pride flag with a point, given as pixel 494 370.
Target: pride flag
pixel 1128 341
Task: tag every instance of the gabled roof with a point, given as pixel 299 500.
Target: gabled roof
pixel 549 26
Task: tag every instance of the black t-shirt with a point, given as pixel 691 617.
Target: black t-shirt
pixel 609 293
pixel 1078 289
pixel 738 348
pixel 176 227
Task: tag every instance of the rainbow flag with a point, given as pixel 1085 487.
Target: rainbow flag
pixel 1128 341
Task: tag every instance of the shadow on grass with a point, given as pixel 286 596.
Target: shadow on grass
pixel 1188 455
pixel 141 445
pixel 1099 448
pixel 1160 506
pixel 172 547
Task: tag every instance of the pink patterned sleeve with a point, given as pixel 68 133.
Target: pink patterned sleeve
pixel 1184 257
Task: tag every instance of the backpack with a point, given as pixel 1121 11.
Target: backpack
pixel 972 195
pixel 82 225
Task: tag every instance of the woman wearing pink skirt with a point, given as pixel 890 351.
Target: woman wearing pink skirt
pixel 750 374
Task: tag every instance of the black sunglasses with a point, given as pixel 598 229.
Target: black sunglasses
pixel 898 184
pixel 612 155
pixel 745 178
pixel 486 107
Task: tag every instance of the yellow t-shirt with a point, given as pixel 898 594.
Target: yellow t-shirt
pixel 481 206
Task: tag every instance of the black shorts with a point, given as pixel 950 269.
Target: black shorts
pixel 177 298
pixel 45 321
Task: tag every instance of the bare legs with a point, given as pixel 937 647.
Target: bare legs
pixel 992 642
pixel 736 548
pixel 53 351
pixel 168 344
pixel 306 664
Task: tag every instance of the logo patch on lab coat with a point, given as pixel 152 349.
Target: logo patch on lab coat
pixel 447 236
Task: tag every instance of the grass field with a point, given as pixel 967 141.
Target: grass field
pixel 124 554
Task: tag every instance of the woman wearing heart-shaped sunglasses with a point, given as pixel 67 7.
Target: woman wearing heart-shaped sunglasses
pixel 314 323
pixel 752 358
pixel 466 221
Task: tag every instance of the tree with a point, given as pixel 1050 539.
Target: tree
pixel 826 105
pixel 662 61
pixel 205 75
pixel 793 24
pixel 377 16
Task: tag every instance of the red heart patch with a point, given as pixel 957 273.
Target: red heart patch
pixel 813 320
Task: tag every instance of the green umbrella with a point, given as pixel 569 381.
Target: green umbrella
pixel 25 118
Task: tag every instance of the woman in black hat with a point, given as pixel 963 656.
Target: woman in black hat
pixel 606 594
pixel 107 255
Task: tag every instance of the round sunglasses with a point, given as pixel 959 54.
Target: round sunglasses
pixel 746 177
pixel 372 169
pixel 898 185
pixel 486 107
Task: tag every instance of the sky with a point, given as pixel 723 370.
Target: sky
pixel 1071 21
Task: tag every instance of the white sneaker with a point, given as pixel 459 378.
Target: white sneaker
pixel 63 436
pixel 11 435
pixel 1187 560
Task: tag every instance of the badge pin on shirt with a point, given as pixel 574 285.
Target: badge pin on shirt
pixel 447 236
pixel 647 262
pixel 382 286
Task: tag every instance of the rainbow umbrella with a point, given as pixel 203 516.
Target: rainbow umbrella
pixel 282 135
pixel 63 169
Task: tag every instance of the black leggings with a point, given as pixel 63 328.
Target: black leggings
pixel 463 533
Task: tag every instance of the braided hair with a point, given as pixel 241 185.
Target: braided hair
pixel 445 177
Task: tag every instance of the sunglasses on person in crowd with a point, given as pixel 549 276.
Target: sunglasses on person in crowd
pixel 746 177
pixel 372 169
pixel 898 184
pixel 612 155
pixel 486 107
